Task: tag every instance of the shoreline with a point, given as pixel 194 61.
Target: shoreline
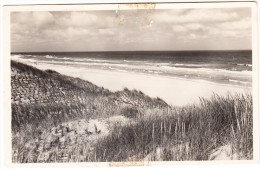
pixel 173 90
pixel 229 81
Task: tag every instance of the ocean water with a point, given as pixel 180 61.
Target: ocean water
pixel 225 67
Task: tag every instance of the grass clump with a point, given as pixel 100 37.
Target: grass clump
pixel 188 133
pixel 129 111
pixel 185 133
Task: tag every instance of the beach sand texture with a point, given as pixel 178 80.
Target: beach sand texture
pixel 173 90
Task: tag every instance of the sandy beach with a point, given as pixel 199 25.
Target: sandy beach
pixel 175 91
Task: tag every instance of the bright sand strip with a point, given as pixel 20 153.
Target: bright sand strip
pixel 174 91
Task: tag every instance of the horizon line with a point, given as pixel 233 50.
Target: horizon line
pixel 126 51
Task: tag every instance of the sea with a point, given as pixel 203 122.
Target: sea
pixel 224 67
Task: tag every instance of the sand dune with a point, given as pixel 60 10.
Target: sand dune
pixel 45 129
pixel 174 91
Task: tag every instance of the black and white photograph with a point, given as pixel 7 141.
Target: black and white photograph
pixel 133 83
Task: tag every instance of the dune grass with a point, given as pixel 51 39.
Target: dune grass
pixel 178 133
pixel 157 132
pixel 187 133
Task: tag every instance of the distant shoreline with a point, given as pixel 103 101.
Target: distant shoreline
pixel 175 91
pixel 231 72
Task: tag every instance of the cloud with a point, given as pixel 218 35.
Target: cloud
pixel 237 25
pixel 179 28
pixel 189 27
pixel 76 19
pixel 234 29
pixel 198 24
pixel 195 26
pixel 109 32
pixel 84 19
pixel 68 34
pixel 129 29
pixel 37 19
pixel 28 26
pixel 196 15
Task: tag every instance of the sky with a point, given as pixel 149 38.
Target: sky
pixel 132 30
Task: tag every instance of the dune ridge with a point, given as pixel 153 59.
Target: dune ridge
pixel 57 118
